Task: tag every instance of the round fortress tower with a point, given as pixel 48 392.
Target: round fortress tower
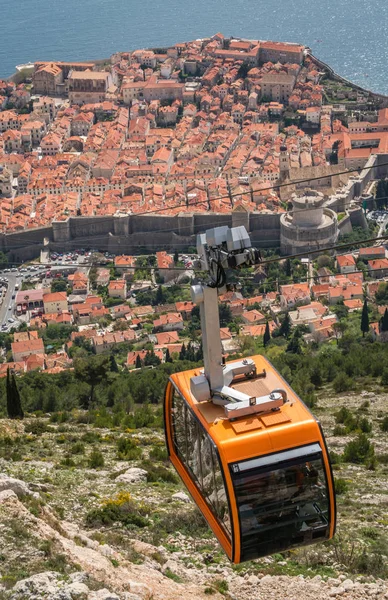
pixel 309 226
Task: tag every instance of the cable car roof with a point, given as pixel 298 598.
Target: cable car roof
pixel 249 436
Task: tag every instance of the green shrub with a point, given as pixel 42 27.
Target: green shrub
pixel 122 509
pixel 360 450
pixel 365 426
pixel 159 453
pixel 342 383
pixel 60 417
pixel 364 406
pixel 339 430
pixel 127 449
pixel 77 448
pixel 352 422
pixel 189 522
pixel 67 462
pixel 221 585
pixel 335 458
pixel 159 473
pixel 384 424
pixel 91 437
pixel 341 486
pixel 168 573
pixel 384 377
pixel 36 427
pixel 96 459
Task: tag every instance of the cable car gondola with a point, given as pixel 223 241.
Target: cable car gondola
pixel 251 454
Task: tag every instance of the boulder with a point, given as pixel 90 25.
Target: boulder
pixel 181 496
pixel 16 485
pixel 6 495
pixel 41 585
pixel 132 475
pixel 78 590
pixel 104 594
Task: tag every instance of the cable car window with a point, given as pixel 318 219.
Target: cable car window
pixel 283 503
pixel 179 426
pixel 196 450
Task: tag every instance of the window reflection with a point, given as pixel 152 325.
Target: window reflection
pixel 281 507
pixel 196 449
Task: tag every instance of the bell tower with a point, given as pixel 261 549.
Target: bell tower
pixel 284 163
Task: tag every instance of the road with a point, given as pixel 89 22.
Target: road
pixel 5 314
pixel 7 308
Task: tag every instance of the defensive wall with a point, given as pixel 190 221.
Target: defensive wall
pixel 380 98
pixel 135 234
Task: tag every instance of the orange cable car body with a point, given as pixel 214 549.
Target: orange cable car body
pixel 263 481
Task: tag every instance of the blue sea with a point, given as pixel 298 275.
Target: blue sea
pixel 350 35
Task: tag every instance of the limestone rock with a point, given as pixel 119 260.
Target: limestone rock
pixel 132 475
pixel 181 496
pixel 41 585
pixel 6 495
pixel 78 590
pixel 16 485
pixel 104 594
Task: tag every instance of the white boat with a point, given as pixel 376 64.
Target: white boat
pixel 28 65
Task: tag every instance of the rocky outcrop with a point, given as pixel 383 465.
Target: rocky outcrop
pixel 132 475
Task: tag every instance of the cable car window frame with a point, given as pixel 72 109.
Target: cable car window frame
pixel 216 507
pixel 253 519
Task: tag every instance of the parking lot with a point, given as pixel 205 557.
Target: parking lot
pixel 11 280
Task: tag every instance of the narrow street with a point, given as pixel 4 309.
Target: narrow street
pixel 5 313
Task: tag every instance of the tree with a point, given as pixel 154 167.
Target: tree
pixel 294 345
pixel 151 359
pixel 381 195
pixel 93 276
pixel 285 327
pixel 176 257
pixel 113 364
pixel 168 358
pixel 339 327
pixel 267 335
pixel 365 319
pixel 59 285
pixel 287 268
pixel 159 298
pixel 182 353
pixel 138 364
pixel 92 371
pixel 225 315
pixel 324 261
pixel 384 321
pixel 14 406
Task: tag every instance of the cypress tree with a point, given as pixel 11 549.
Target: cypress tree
pixel 285 327
pixel 199 354
pixel 159 298
pixel 138 364
pixel 176 257
pixel 113 364
pixel 14 406
pixel 182 353
pixel 384 321
pixel 267 335
pixel 168 357
pixel 294 345
pixel 365 319
pixel 287 268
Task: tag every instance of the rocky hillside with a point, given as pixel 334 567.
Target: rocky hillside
pixel 97 513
